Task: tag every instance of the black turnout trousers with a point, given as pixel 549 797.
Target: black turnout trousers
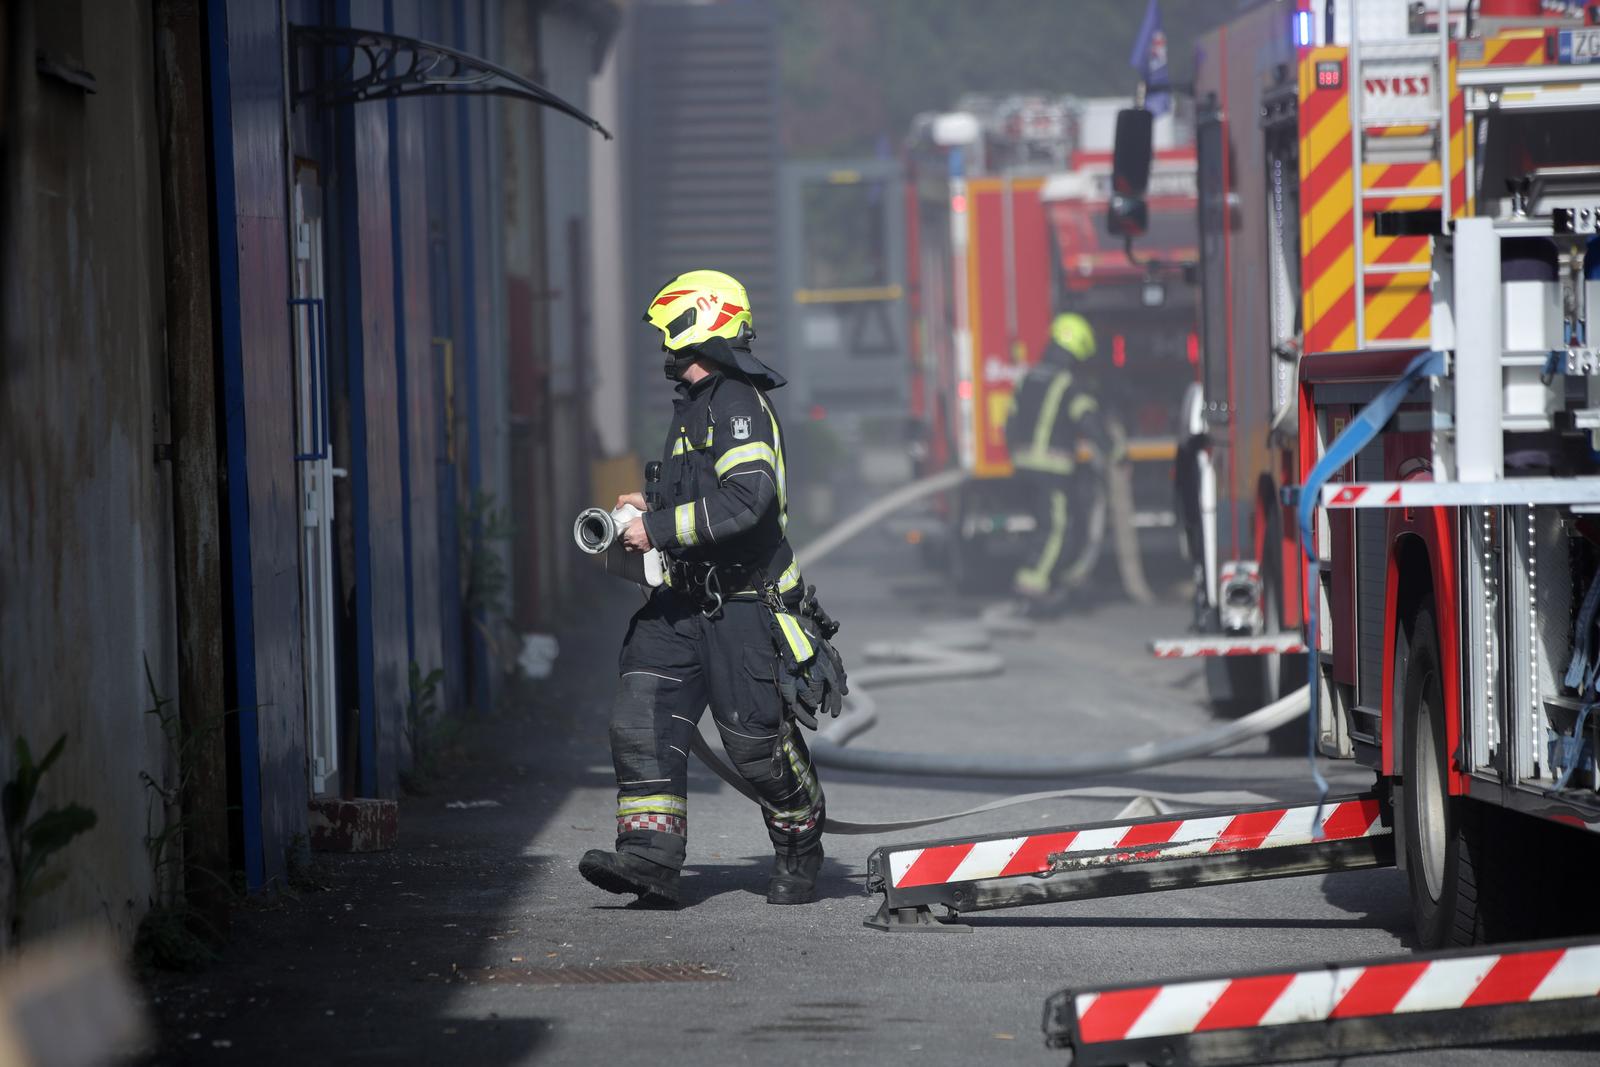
pixel 674 661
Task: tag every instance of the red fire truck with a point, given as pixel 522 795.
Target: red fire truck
pixel 1396 444
pixel 1005 224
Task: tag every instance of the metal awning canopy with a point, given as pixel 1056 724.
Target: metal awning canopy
pixel 372 65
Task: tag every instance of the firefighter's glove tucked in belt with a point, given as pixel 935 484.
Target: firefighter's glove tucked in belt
pixel 811 608
pixel 811 678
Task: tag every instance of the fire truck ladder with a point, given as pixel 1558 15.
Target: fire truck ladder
pixel 1103 859
pixel 1403 125
pixel 1427 1000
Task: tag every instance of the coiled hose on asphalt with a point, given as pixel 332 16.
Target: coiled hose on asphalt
pixel 950 651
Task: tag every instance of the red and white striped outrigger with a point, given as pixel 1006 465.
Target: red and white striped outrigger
pixel 1200 645
pixel 1128 856
pixel 1436 1000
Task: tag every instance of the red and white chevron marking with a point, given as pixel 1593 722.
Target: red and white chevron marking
pixel 1425 494
pixel 1325 993
pixel 1356 496
pixel 1192 647
pixel 1108 845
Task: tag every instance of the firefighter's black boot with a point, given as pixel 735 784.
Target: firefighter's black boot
pixel 620 872
pixel 794 877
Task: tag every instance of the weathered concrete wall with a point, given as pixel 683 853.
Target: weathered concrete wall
pixel 529 297
pixel 612 337
pixel 86 582
pixel 569 44
pixel 197 526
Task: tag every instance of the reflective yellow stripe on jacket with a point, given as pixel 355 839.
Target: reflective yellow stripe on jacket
pixel 1040 456
pixel 783 479
pixel 754 452
pixel 683 520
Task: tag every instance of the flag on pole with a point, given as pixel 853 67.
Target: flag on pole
pixel 1150 60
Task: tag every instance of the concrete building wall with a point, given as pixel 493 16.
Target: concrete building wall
pixel 569 47
pixel 529 295
pixel 614 338
pixel 86 581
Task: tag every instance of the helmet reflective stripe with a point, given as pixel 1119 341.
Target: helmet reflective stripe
pixel 1072 332
pixel 697 306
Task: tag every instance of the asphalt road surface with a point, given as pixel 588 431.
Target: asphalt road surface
pixel 462 945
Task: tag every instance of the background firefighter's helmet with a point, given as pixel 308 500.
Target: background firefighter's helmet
pixel 705 314
pixel 1072 333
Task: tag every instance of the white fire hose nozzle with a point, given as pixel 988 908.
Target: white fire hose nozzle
pixel 598 531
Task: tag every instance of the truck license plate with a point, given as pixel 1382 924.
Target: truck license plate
pixel 1578 46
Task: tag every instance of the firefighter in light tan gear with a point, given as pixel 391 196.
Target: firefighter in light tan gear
pixel 1054 407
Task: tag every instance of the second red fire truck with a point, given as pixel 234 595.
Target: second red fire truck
pixel 1006 227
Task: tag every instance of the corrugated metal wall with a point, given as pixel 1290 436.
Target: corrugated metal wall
pixel 263 516
pixel 421 360
pixel 363 222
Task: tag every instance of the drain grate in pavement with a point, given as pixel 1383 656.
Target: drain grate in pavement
pixel 617 975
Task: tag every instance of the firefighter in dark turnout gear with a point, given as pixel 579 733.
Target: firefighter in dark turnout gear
pixel 1053 408
pixel 727 626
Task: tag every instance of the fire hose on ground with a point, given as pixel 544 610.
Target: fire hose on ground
pixel 951 651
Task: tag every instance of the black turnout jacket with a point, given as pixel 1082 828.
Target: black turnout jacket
pixel 724 492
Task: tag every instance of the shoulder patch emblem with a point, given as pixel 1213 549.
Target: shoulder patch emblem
pixel 740 425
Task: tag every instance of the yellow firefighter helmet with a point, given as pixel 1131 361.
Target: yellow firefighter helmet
pixel 1072 332
pixel 697 306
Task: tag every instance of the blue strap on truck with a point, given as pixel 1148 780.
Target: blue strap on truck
pixel 1367 424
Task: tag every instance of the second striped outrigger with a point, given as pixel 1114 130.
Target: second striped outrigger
pixel 1103 859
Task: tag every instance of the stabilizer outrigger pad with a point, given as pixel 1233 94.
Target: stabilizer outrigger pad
pixel 913 920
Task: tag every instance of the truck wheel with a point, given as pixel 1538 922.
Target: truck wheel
pixel 1441 860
